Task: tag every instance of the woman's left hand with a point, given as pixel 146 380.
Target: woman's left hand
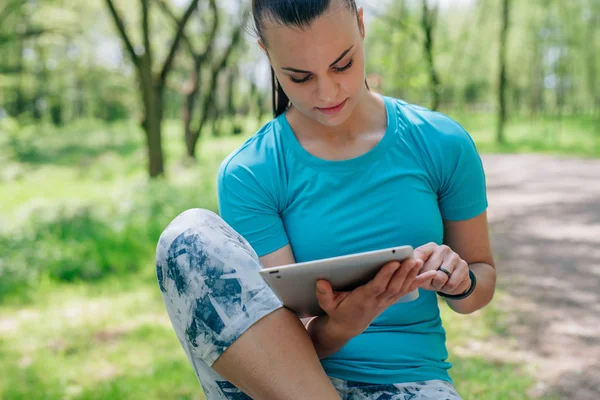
pixel 452 275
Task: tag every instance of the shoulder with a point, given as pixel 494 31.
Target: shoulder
pixel 259 154
pixel 433 136
pixel 431 127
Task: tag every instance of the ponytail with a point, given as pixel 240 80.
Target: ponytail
pixel 280 100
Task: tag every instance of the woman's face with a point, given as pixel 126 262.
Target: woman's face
pixel 320 67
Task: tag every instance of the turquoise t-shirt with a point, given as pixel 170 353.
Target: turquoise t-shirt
pixel 425 169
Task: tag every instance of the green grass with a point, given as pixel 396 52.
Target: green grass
pixel 113 342
pixel 80 312
pixel 569 135
pixel 478 375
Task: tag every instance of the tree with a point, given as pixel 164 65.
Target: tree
pixel 208 107
pixel 152 85
pixel 502 82
pixel 409 29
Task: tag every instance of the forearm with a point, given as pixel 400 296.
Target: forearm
pixel 483 293
pixel 326 338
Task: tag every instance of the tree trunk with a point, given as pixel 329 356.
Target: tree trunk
pixel 502 79
pixel 208 101
pixel 428 23
pixel 151 88
pixel 151 98
pixel 232 75
pixel 188 110
pixel 154 138
pixel 216 119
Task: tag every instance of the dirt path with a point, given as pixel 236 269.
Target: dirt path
pixel 545 224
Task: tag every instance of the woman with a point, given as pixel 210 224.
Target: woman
pixel 339 170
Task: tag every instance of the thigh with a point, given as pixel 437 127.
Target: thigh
pixel 427 390
pixel 208 277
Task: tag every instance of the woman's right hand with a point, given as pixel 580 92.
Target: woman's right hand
pixel 352 312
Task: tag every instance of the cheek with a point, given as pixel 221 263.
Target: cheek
pixel 296 93
pixel 299 95
pixel 355 79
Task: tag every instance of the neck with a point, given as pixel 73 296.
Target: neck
pixel 362 120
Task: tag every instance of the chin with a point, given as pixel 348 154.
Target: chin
pixel 336 119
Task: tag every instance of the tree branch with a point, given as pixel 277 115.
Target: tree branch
pixel 121 28
pixel 197 55
pixel 180 29
pixel 167 10
pixel 394 22
pixel 213 33
pixel 216 69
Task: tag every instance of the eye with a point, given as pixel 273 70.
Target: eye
pixel 345 67
pixel 305 79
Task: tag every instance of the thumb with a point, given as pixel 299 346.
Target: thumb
pixel 324 294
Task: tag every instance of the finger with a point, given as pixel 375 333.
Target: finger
pixel 451 260
pixel 435 260
pixel 409 282
pixel 449 263
pixel 423 279
pixel 379 284
pixel 399 278
pixel 425 251
pixel 463 287
pixel 325 295
pixel 460 276
pixel 438 281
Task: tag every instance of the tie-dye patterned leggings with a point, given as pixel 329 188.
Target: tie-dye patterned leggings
pixel 208 276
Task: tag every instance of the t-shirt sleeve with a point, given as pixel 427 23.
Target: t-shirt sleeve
pixel 462 191
pixel 250 208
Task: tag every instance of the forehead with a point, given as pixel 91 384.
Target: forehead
pixel 321 42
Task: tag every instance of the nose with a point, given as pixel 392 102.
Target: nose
pixel 327 89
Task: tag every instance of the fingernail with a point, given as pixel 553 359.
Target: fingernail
pixel 321 289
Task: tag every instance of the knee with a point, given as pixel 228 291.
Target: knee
pixel 193 218
pixel 198 242
pixel 184 228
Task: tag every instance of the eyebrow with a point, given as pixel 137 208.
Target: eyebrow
pixel 330 65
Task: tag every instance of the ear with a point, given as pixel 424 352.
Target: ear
pixel 361 21
pixel 262 46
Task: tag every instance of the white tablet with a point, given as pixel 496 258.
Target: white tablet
pixel 295 284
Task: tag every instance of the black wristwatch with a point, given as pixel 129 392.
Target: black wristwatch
pixel 465 294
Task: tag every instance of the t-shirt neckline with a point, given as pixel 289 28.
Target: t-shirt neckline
pixel 354 163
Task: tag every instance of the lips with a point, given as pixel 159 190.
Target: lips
pixel 333 110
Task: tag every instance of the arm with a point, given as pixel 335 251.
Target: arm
pixel 326 339
pixel 470 240
pixel 466 247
